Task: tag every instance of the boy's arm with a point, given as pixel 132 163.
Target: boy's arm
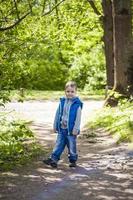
pixel 56 119
pixel 76 127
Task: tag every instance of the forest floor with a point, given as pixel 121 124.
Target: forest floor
pixel 104 171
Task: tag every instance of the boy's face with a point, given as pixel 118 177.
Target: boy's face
pixel 70 92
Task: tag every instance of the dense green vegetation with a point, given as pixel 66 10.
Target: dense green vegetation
pixel 17 143
pixel 118 121
pixel 43 52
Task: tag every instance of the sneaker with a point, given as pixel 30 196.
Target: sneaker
pixel 50 162
pixel 53 164
pixel 73 164
pixel 47 161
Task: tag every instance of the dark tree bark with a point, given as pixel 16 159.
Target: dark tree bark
pixel 108 41
pixel 130 70
pixel 122 34
pixel 122 47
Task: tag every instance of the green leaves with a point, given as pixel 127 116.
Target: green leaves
pixel 44 51
pixel 4 97
pixel 17 143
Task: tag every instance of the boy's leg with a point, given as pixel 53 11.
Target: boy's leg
pixel 59 148
pixel 72 149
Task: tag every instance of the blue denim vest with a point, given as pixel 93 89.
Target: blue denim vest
pixel 72 113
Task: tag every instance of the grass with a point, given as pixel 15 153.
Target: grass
pixel 51 95
pixel 118 121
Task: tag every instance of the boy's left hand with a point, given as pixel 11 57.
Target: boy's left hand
pixel 75 132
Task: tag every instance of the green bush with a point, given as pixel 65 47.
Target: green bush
pixel 4 97
pixel 17 143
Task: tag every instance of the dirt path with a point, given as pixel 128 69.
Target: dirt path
pixel 104 169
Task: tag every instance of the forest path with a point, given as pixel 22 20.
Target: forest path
pixel 104 169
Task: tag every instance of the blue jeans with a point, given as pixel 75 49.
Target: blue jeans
pixel 63 139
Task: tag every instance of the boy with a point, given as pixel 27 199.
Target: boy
pixel 67 125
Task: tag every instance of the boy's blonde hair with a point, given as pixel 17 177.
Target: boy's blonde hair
pixel 71 84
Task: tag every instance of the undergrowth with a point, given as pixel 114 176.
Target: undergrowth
pixel 117 120
pixel 17 144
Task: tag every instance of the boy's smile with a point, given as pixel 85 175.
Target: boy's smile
pixel 70 92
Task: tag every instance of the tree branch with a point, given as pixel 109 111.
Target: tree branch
pixel 15 24
pixel 43 7
pixel 91 2
pixel 16 7
pixel 50 11
pixel 30 6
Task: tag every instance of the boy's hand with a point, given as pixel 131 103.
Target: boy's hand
pixel 75 132
pixel 54 130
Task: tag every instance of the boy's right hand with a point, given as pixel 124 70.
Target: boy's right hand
pixel 54 130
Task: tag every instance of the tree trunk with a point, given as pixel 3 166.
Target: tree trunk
pixel 122 31
pixel 108 41
pixel 130 70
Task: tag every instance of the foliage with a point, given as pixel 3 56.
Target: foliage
pixel 44 51
pixel 89 70
pixel 118 121
pixel 17 144
pixel 4 97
